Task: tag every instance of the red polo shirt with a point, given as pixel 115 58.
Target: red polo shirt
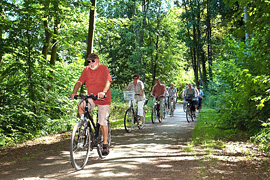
pixel 95 81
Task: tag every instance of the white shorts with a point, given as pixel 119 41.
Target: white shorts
pixel 140 106
pixel 103 111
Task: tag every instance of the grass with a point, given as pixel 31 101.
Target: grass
pixel 209 133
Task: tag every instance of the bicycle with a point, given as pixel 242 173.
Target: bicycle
pixel 131 115
pixel 85 136
pixel 156 110
pixel 190 113
pixel 172 105
pixel 166 103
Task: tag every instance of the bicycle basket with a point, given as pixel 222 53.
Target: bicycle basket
pixel 129 95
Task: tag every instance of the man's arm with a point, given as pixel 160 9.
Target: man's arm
pixel 105 89
pixel 152 92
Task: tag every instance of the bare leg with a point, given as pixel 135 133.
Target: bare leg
pixel 104 130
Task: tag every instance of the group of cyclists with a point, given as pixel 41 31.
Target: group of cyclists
pixel 166 95
pixel 97 79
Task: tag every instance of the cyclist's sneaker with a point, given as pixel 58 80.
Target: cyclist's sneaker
pixel 140 123
pixel 106 150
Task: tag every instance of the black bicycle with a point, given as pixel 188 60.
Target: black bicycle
pixel 132 117
pixel 155 115
pixel 85 136
pixel 190 109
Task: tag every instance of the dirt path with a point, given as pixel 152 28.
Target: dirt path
pixel 159 151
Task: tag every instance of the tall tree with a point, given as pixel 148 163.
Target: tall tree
pixel 91 29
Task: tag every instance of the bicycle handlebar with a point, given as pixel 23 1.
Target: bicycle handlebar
pixel 158 96
pixel 94 97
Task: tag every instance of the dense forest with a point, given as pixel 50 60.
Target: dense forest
pixel 220 45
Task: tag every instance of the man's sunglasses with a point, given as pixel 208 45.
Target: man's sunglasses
pixel 91 60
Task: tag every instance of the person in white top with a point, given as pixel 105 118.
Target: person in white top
pixel 138 87
pixel 172 94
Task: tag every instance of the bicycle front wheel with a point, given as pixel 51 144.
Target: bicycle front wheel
pixel 79 146
pixel 154 116
pixel 172 109
pixel 100 139
pixel 164 113
pixel 129 120
pixel 189 115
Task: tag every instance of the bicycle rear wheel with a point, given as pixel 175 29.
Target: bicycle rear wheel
pixel 100 140
pixel 129 120
pixel 79 146
pixel 189 115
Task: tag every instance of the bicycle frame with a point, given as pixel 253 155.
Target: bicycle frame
pixel 91 124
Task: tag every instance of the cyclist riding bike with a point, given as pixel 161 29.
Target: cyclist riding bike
pixel 201 94
pixel 173 95
pixel 138 87
pixel 158 91
pixel 196 96
pixel 97 79
pixel 189 93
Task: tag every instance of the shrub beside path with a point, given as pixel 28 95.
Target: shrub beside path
pixel 159 151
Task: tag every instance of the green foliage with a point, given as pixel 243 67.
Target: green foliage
pixel 263 137
pixel 211 132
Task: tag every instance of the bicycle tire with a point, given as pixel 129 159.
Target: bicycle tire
pixel 189 115
pixel 154 115
pixel 100 140
pixel 129 120
pixel 143 120
pixel 172 109
pixel 193 114
pixel 164 113
pixel 79 146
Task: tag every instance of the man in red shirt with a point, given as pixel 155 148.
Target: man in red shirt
pixel 158 91
pixel 97 79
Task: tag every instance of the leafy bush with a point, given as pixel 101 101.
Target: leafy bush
pixel 239 90
pixel 263 137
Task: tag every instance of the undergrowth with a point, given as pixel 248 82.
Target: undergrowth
pixel 208 131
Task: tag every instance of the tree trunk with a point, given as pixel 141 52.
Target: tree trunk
pixel 1 31
pixel 54 46
pixel 48 36
pixel 209 41
pixel 91 29
pixel 195 54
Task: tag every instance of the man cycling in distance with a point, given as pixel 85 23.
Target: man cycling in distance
pixel 166 100
pixel 196 96
pixel 97 79
pixel 138 87
pixel 172 95
pixel 190 92
pixel 158 91
pixel 185 101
